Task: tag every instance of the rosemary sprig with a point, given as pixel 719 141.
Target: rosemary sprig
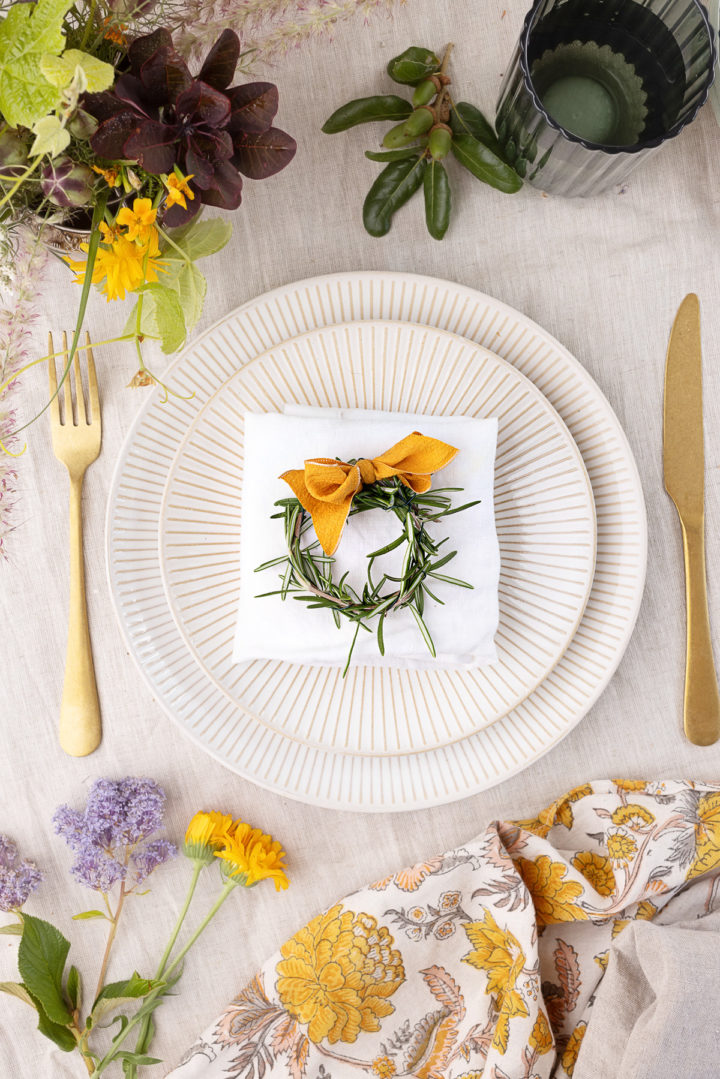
pixel 307 572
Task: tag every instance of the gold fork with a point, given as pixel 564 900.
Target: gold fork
pixel 77 444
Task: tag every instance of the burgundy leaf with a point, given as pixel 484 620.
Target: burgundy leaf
pixel 130 90
pixel 264 154
pixel 110 138
pixel 104 105
pixel 226 188
pixel 204 105
pixel 142 48
pixel 165 76
pixel 221 61
pixel 153 146
pixel 175 216
pixel 198 163
pixel 253 107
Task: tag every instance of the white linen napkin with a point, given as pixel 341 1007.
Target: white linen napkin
pixel 462 629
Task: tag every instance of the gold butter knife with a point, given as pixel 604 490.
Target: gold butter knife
pixel 684 465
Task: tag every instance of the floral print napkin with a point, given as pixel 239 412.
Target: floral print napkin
pixel 483 961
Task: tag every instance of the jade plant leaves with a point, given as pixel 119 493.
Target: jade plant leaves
pixel 27 34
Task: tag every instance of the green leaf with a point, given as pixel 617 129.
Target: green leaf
pixel 14 929
pixel 413 65
pixel 41 961
pixel 161 317
pixel 74 987
pixel 397 182
pixel 367 110
pixel 58 1034
pixel 199 239
pixel 50 137
pixel 117 994
pixel 60 70
pixel 28 33
pixel 85 914
pixel 185 279
pixel 437 199
pixel 485 165
pixel 17 989
pixel 465 119
pixel 394 155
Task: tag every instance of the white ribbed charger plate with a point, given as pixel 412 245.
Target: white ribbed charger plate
pixel 345 780
pixel 545 520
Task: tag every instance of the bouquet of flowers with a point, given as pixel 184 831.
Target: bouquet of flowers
pixel 107 130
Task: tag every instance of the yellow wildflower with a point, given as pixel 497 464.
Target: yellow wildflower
pixel 178 189
pixel 139 221
pixel 206 833
pixel 621 848
pixel 634 816
pixel 110 176
pixel 597 871
pixel 337 973
pixel 251 857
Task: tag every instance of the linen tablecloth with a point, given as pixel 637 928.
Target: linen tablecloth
pixel 604 276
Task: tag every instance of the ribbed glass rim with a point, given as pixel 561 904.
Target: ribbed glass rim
pixel 612 149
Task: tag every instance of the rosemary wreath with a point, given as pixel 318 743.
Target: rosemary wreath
pixel 308 572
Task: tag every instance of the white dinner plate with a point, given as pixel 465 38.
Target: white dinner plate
pixel 345 779
pixel 545 520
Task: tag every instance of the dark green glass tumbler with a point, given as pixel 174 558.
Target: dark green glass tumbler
pixel 596 86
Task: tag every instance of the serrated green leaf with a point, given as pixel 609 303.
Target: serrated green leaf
pixel 17 989
pixel 200 238
pixel 485 165
pixel 437 200
pixel 41 962
pixel 89 914
pixel 161 317
pixel 190 285
pixel 60 70
pixel 74 987
pixel 117 994
pixel 50 137
pixel 397 182
pixel 27 33
pixel 14 929
pixel 58 1034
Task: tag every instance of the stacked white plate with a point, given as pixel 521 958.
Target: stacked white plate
pixel 569 512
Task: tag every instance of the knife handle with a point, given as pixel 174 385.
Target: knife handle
pixel 702 700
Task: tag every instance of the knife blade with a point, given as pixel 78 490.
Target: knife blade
pixel 684 469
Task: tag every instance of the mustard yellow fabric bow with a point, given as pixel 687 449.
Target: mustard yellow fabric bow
pixel 326 488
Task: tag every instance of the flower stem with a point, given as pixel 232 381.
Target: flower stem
pixel 89 24
pixel 143 1040
pixel 135 1021
pixel 20 181
pixel 110 939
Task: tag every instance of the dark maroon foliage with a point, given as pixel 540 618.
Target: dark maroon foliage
pixel 160 115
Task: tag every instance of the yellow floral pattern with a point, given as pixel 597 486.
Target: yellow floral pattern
pixel 337 973
pixel 493 966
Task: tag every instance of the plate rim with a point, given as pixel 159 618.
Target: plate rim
pixel 486 356
pixel 401 279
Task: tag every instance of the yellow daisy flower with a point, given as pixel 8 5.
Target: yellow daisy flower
pixel 621 848
pixel 178 189
pixel 206 833
pixel 250 857
pixel 139 221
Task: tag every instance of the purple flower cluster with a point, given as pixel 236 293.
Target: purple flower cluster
pixel 111 838
pixel 18 878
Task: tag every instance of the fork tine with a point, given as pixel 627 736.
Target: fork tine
pixel 52 379
pixel 92 382
pixel 66 384
pixel 79 393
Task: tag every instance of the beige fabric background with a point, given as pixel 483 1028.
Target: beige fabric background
pixel 604 276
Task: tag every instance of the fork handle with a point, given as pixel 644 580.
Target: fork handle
pixel 80 729
pixel 702 700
